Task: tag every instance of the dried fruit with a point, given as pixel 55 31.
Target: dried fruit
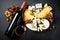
pixel 53 27
pixel 13 9
pixel 8 15
pixel 10 12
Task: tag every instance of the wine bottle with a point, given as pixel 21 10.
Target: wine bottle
pixel 20 29
pixel 13 23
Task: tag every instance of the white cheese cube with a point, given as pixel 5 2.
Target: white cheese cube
pixel 29 8
pixel 38 10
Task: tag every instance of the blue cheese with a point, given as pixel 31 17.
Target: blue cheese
pixel 38 5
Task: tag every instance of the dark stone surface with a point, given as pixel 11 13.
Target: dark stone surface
pixel 30 35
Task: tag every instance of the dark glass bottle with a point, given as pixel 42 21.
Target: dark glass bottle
pixel 13 23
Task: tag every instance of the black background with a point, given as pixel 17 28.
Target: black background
pixel 30 35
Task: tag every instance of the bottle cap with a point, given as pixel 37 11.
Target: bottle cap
pixel 23 4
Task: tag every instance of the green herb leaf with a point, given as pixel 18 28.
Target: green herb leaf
pixel 32 14
pixel 43 26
